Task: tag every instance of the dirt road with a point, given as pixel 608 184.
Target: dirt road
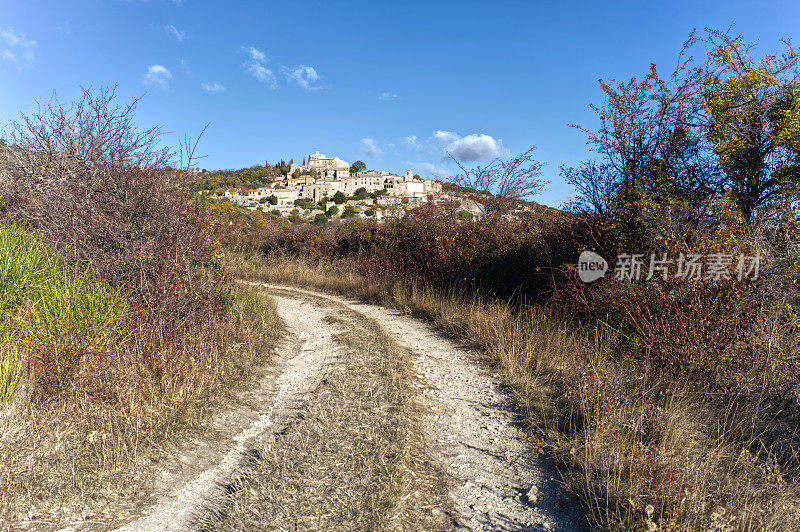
pixel 492 480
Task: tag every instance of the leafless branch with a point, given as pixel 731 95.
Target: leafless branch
pixel 503 181
pixel 187 149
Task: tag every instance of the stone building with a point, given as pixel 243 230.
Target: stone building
pixel 324 167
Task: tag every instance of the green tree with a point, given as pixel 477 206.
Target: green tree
pixel 320 219
pixel 339 198
pixel 357 166
pixel 348 212
pixel 333 211
pixel 273 200
pixel 754 122
pixel 369 212
pixel 360 193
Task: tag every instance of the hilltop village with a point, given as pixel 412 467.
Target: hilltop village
pixel 327 183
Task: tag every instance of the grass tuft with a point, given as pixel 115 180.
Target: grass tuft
pixel 52 319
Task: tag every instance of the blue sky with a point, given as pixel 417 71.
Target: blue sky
pixel 390 83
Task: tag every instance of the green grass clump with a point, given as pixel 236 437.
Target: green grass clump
pixel 50 314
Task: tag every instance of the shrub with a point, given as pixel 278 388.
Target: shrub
pixel 320 219
pixel 339 198
pixel 369 212
pixel 465 216
pixel 114 207
pixel 333 211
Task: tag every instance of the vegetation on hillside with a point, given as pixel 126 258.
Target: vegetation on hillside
pixel 248 178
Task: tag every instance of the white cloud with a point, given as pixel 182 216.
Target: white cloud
pixel 303 75
pixel 474 147
pixel 370 147
pixel 431 169
pixel 387 96
pixel 213 87
pixel 158 75
pixel 256 54
pixel 16 39
pixel 20 48
pixel 263 74
pixel 255 65
pixel 175 32
pixel 443 138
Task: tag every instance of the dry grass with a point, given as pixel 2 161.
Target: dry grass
pixel 639 450
pixel 88 461
pixel 356 459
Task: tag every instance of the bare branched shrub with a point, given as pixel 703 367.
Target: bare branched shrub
pixel 85 176
pixel 504 181
pixel 93 132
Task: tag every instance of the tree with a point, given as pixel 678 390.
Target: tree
pixel 339 198
pixel 503 181
pixel 320 219
pixel 652 156
pixel 360 193
pixel 753 121
pixel 357 166
pixel 719 125
pixel 273 200
pixel 333 211
pixel 369 212
pixel 348 211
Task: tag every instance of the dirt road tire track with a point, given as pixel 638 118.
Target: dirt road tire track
pixel 189 500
